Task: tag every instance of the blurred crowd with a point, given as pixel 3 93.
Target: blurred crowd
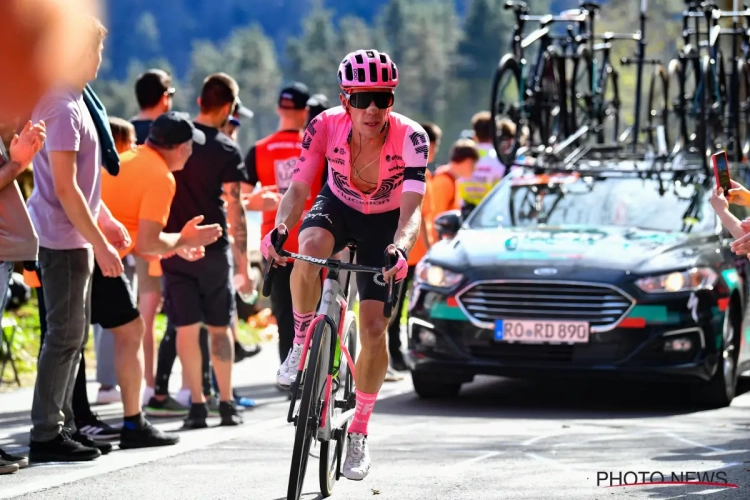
pixel 122 219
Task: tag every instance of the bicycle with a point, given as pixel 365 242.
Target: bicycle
pixel 534 100
pixel 321 373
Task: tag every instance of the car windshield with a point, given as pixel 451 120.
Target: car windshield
pixel 564 200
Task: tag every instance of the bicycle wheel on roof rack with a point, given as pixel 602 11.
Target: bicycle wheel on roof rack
pixel 549 109
pixel 608 108
pixel 743 70
pixel 658 109
pixel 508 110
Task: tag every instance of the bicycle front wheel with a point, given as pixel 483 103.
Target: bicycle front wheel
pixel 308 418
pixel 342 400
pixel 658 111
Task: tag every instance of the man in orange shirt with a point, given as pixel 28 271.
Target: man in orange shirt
pixel 141 196
pixel 423 244
pixel 271 162
pixel 445 194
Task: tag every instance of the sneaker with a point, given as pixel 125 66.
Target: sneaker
pixel 287 373
pixel 392 375
pixel 243 402
pixel 213 406
pixel 93 427
pixel 61 449
pixel 86 441
pixel 357 464
pixel 242 352
pixel 229 413
pixel 20 461
pixel 168 407
pixel 107 396
pixel 196 418
pixel 146 436
pixel 7 467
pixel 148 393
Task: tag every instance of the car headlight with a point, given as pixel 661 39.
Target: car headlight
pixel 433 275
pixel 697 278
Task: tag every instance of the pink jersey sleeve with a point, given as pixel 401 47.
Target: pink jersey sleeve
pixel 416 149
pixel 313 154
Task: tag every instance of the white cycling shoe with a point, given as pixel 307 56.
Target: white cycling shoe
pixel 357 464
pixel 287 373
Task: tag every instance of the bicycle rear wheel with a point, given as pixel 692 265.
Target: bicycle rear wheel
pixel 608 112
pixel 507 104
pixel 308 418
pixel 342 400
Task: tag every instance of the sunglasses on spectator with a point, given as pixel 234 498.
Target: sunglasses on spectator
pixel 362 100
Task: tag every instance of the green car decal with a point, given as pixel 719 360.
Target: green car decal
pixel 655 314
pixel 441 310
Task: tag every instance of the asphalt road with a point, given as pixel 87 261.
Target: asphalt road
pixel 500 439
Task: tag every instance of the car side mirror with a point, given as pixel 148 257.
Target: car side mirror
pixel 448 223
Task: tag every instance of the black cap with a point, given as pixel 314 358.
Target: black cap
pixel 240 110
pixel 173 129
pixel 294 96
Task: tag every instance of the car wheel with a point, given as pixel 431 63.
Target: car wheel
pixel 721 389
pixel 427 387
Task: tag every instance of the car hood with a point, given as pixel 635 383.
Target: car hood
pixel 621 248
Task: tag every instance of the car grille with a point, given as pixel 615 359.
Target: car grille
pixel 601 306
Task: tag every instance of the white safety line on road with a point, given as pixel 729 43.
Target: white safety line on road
pixel 474 460
pixel 555 463
pixel 548 435
pixel 694 443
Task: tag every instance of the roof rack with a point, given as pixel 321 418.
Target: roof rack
pixel 606 158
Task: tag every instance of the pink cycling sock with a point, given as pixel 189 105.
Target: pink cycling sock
pixel 365 405
pixel 301 322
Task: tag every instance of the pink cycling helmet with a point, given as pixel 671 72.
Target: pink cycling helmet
pixel 368 69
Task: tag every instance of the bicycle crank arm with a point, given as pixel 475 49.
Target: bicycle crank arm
pixel 343 418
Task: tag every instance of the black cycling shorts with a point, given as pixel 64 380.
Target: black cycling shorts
pixel 372 234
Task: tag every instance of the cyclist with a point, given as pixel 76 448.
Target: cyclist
pixel 377 161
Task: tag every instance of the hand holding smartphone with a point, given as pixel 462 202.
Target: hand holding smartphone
pixel 721 170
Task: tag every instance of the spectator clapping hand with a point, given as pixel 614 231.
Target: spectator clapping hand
pixel 25 145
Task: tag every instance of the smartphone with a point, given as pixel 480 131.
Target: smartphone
pixel 4 157
pixel 721 169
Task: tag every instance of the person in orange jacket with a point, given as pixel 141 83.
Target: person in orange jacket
pixel 424 242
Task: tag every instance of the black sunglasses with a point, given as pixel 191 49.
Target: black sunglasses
pixel 362 100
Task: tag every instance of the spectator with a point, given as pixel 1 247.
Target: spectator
pixel 18 240
pixel 75 253
pixel 271 162
pixel 422 245
pixel 154 92
pixel 445 194
pixel 489 169
pixel 316 105
pixel 202 292
pixel 123 133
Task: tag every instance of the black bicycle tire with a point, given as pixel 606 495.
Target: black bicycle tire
pixel 507 64
pixel 583 57
pixel 658 117
pixel 549 126
pixel 743 70
pixel 677 105
pixel 610 75
pixel 303 440
pixel 326 486
pixel 708 143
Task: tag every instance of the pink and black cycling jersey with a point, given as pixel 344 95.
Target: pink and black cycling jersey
pixel 403 160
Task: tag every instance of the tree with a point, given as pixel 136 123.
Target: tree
pixel 249 56
pixel 315 56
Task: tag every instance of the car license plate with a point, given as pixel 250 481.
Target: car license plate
pixel 533 331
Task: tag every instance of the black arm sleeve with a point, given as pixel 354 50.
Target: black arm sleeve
pixel 251 167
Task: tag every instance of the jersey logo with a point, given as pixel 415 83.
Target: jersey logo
pixel 284 169
pixel 339 161
pixel 418 138
pixel 393 158
pixel 423 150
pixel 340 181
pixel 387 187
pixel 306 141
